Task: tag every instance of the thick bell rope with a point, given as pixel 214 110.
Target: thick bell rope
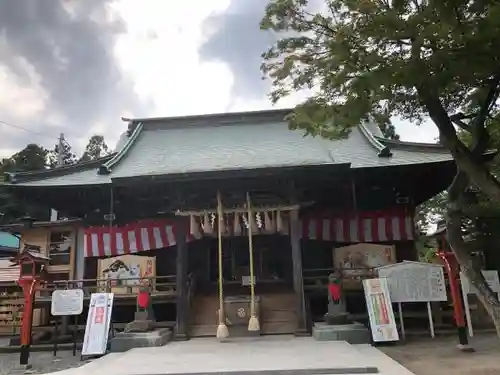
pixel 253 323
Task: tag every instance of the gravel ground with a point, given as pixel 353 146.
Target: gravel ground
pixel 440 356
pixel 42 362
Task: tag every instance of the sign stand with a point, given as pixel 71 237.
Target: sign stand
pixel 97 330
pixel 75 332
pixel 65 302
pixel 56 335
pixel 468 317
pixel 493 281
pixel 431 321
pixel 401 320
pixel 415 282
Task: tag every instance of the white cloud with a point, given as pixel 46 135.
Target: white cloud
pixel 21 100
pixel 425 133
pixel 159 54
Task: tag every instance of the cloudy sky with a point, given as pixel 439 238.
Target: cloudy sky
pixel 77 66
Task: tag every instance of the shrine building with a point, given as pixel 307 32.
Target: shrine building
pixel 149 211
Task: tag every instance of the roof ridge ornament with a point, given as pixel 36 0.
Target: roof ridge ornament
pixel 383 150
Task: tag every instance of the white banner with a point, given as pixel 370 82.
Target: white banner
pixel 378 303
pixel 98 323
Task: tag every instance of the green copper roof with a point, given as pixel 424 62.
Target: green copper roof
pixel 8 240
pixel 238 141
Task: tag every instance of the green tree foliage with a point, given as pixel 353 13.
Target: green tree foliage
pixel 96 148
pixel 416 59
pixel 429 213
pixel 31 158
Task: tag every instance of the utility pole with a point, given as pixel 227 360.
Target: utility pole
pixel 54 215
pixel 60 162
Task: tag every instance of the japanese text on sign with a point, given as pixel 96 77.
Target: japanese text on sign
pixel 415 282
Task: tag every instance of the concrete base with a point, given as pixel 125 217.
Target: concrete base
pixel 124 341
pixel 354 333
pixel 265 355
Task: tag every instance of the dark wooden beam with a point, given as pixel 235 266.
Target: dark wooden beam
pixel 182 319
pixel 298 282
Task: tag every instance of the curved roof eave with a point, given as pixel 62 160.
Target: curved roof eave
pixel 383 150
pixel 107 167
pixel 14 178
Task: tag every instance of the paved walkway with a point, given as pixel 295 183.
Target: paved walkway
pixel 204 356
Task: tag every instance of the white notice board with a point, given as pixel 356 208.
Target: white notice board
pixel 378 303
pixel 67 302
pixel 415 282
pixel 490 276
pixel 98 323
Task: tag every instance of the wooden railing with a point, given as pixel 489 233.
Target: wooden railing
pixel 317 279
pixel 158 285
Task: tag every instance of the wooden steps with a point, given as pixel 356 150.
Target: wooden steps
pixel 277 314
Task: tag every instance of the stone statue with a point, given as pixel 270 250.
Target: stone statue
pixel 144 318
pixel 337 313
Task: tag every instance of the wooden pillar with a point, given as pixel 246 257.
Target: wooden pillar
pixel 182 315
pixel 298 283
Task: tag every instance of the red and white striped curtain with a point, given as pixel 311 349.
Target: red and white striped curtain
pixel 129 239
pixel 147 235
pixel 365 227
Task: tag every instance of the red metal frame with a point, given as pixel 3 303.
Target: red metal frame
pixel 452 269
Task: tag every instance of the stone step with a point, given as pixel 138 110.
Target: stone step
pixel 124 341
pixel 354 333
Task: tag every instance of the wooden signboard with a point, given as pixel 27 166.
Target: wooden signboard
pixel 125 271
pixel 357 262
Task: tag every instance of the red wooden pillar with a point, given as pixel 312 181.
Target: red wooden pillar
pixel 29 287
pixel 453 270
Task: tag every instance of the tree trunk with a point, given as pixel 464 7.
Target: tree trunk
pixel 471 166
pixel 469 161
pixel 476 170
pixel 470 268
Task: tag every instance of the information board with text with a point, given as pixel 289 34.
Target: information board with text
pixel 381 315
pixel 67 302
pixel 415 282
pixel 98 324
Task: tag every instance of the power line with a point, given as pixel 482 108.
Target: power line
pixel 28 130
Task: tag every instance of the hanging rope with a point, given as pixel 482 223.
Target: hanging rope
pixel 222 331
pixel 253 323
